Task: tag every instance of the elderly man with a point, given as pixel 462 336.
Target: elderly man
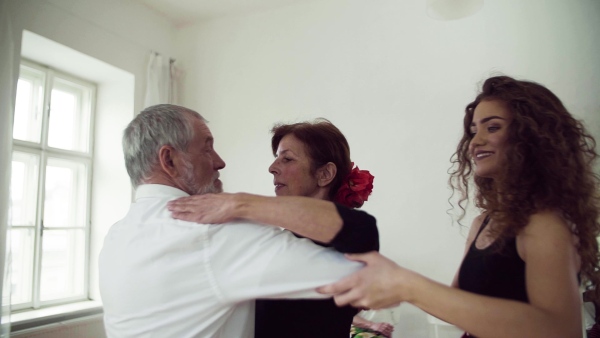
pixel 162 277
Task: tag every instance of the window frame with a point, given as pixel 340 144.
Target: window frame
pixel 44 152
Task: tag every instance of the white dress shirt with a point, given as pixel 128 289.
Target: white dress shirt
pixel 162 277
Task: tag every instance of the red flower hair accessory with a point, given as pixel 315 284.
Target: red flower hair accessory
pixel 356 188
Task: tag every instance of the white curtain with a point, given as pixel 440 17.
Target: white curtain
pixel 9 60
pixel 175 76
pixel 162 78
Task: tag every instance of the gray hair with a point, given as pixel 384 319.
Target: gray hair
pixel 154 127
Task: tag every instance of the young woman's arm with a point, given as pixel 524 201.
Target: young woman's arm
pixel 313 218
pixel 547 247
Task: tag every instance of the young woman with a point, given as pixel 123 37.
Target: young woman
pixel 535 240
pixel 311 160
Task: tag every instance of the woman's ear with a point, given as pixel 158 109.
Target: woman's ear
pixel 166 156
pixel 326 174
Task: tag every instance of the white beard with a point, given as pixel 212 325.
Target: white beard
pixel 190 182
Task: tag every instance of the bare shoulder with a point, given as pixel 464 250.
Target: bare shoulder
pixel 547 233
pixel 546 224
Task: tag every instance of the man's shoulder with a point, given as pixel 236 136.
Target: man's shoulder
pixel 254 238
pixel 247 230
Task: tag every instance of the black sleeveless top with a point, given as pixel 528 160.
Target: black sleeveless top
pixel 494 271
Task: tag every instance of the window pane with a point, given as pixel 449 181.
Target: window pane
pixel 27 125
pixel 22 248
pixel 23 189
pixel 69 116
pixel 65 201
pixel 63 257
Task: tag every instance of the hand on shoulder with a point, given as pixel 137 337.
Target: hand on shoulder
pixel 206 208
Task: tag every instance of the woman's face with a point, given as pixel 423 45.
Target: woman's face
pixel 291 169
pixel 489 131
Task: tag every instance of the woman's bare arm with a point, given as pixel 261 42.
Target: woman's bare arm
pixel 546 245
pixel 309 217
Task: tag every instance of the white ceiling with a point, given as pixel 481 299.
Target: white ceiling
pixel 183 12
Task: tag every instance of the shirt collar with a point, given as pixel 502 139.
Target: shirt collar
pixel 158 190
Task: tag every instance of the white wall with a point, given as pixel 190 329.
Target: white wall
pixel 120 33
pixel 110 42
pixel 395 82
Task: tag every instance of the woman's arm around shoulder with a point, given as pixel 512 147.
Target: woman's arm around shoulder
pixel 316 219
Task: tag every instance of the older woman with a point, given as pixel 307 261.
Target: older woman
pixel 312 159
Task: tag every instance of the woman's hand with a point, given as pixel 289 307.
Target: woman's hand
pixel 380 284
pixel 206 208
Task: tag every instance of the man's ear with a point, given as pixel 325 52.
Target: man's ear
pixel 326 174
pixel 167 157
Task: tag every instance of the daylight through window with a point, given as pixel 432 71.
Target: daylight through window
pixel 50 188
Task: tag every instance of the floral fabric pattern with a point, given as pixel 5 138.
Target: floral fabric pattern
pixel 359 332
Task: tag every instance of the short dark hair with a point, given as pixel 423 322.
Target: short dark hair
pixel 324 143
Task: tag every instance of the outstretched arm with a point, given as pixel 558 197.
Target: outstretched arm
pixel 547 247
pixel 309 217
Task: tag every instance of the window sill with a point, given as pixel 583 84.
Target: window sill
pixel 34 318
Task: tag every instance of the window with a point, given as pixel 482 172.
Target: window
pixel 50 188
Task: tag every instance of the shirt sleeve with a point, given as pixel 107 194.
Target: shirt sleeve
pixel 250 261
pixel 358 234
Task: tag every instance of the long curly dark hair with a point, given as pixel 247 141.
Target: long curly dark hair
pixel 549 167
